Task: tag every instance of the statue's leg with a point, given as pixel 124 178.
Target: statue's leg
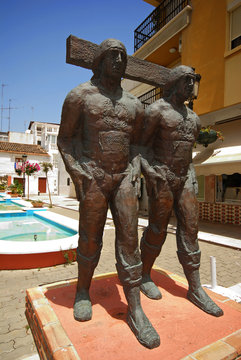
pixel 154 237
pixel 86 267
pixel 93 208
pixel 186 208
pixel 124 207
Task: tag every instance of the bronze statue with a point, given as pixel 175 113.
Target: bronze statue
pixel 171 129
pixel 100 123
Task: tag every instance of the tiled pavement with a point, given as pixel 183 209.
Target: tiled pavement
pixel 16 341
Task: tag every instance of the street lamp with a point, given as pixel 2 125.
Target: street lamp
pixel 24 157
pixel 195 90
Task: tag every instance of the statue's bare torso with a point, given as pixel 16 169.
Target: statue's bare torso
pixel 174 137
pixel 105 126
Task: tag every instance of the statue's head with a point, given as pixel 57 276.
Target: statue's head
pixel 111 57
pixel 181 80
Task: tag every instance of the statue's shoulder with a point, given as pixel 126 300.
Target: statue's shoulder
pixel 81 91
pixel 158 106
pixel 127 95
pixel 132 99
pixel 192 115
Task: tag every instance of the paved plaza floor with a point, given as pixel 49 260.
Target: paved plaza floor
pixel 16 341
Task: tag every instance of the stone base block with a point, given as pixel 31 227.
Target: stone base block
pixel 186 332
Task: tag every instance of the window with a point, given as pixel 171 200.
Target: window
pixel 235 27
pixel 49 129
pixel 39 142
pixel 228 188
pixel 18 160
pixel 68 181
pixel 39 128
pixel 52 139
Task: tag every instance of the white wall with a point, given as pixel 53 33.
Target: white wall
pixel 7 161
pixel 64 188
pixel 6 164
pixel 21 138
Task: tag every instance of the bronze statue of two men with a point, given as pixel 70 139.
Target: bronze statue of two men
pixel 106 140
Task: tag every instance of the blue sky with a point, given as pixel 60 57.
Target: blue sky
pixel 32 62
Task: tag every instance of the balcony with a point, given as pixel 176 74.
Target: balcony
pixel 161 16
pixel 150 97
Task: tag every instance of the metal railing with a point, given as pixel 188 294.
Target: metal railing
pixel 162 14
pixel 150 97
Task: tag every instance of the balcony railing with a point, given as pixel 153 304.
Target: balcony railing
pixel 150 97
pixel 166 11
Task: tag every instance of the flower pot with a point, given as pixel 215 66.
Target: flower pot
pixel 207 137
pixel 15 195
pixel 37 205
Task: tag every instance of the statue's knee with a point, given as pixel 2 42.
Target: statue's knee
pixel 156 232
pixel 151 245
pixel 89 260
pixel 129 275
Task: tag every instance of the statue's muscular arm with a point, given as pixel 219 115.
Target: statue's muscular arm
pixel 135 141
pixel 192 172
pixel 153 118
pixel 71 122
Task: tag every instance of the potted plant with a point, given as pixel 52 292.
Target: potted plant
pixel 15 189
pixel 2 187
pixel 37 203
pixel 3 183
pixel 207 135
pixel 30 169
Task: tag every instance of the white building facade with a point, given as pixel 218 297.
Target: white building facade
pixel 11 153
pixel 45 134
pixel 39 144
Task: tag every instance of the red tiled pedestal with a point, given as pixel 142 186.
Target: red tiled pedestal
pixel 185 331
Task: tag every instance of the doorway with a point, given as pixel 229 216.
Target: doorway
pixel 42 185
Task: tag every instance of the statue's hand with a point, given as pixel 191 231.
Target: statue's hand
pixel 93 170
pixel 78 176
pixel 81 172
pixel 82 176
pixel 153 178
pixel 161 171
pixel 153 175
pixel 136 174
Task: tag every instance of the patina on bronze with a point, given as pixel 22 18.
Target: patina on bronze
pixel 171 130
pixel 100 125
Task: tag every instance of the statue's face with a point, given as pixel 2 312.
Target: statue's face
pixel 185 85
pixel 113 64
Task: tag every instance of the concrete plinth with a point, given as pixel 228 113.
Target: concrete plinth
pixel 185 331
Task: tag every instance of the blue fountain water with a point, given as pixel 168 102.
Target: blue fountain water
pixel 23 227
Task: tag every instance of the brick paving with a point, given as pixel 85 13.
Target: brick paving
pixel 16 341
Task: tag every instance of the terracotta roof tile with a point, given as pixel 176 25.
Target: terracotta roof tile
pixel 27 149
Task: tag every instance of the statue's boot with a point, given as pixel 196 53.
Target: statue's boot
pixel 137 320
pixel 130 277
pixel 82 306
pixel 196 294
pixel 82 303
pixel 149 253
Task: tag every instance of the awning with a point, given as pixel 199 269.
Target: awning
pixel 225 160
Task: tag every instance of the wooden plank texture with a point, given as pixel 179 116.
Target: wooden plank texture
pixel 81 52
